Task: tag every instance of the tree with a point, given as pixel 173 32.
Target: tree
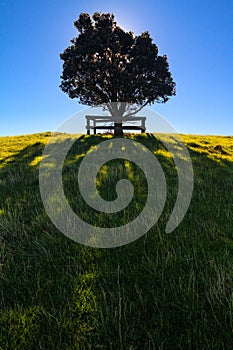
pixel 106 65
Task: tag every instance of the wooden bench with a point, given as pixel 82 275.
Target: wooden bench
pixel 94 121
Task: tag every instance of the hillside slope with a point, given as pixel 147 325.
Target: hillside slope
pixel 163 291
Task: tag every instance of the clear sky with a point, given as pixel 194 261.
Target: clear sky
pixel 197 37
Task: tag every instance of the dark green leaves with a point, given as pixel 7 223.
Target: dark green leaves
pixel 106 64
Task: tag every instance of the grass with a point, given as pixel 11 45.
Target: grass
pixel 163 291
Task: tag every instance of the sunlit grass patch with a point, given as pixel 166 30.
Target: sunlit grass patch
pixel 35 161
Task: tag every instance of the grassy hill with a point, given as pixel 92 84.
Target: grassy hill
pixel 163 291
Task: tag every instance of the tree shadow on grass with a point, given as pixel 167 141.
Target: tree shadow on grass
pixel 162 291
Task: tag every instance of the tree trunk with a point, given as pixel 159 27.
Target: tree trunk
pixel 118 130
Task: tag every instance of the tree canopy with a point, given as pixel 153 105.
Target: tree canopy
pixel 105 64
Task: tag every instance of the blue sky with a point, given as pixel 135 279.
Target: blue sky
pixel 196 35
